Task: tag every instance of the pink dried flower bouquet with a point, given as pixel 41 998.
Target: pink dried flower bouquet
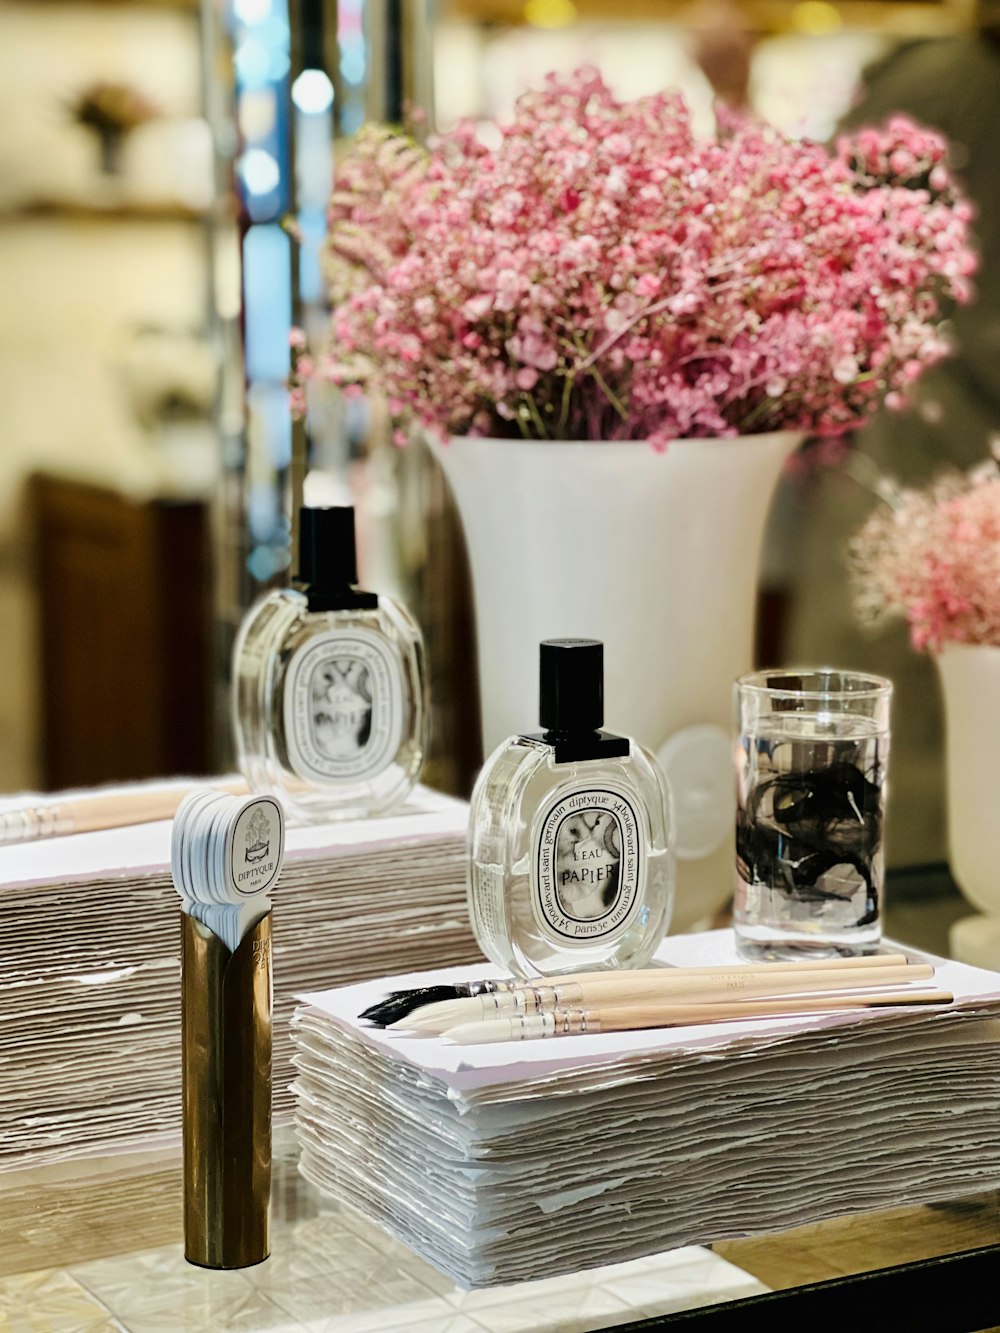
pixel 601 273
pixel 934 558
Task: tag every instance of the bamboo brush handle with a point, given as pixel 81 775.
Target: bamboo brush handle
pixel 723 986
pixel 610 978
pixel 626 1019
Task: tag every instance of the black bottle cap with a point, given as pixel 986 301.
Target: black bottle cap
pixel 571 685
pixel 327 554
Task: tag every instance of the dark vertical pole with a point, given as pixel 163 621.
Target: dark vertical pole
pixel 395 78
pixel 303 17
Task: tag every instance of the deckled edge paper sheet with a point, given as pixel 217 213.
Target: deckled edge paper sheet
pixel 467 1068
pixel 141 849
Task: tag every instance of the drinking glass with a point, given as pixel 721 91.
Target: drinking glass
pixel 811 786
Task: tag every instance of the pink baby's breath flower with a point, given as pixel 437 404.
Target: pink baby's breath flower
pixel 934 558
pixel 597 271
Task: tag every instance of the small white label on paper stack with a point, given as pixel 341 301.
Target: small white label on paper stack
pixel 225 855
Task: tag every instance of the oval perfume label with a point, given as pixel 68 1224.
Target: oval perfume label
pixel 588 866
pixel 254 848
pixel 343 706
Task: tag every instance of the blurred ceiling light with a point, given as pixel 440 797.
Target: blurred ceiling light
pixel 549 13
pixel 261 173
pixel 253 63
pixel 352 61
pixel 258 113
pixel 251 11
pixel 312 92
pixel 274 33
pixel 818 18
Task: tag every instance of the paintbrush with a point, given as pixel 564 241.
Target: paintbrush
pixel 398 1004
pixel 115 807
pixel 578 1022
pixel 677 986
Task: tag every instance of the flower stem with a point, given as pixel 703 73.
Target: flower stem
pixel 536 416
pixel 564 405
pixel 610 341
pixel 612 398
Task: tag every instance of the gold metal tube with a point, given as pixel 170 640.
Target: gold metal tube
pixel 226 1031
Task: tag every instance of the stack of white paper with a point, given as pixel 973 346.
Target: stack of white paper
pixel 505 1162
pixel 90 969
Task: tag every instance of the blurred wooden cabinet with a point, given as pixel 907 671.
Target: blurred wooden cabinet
pixel 125 628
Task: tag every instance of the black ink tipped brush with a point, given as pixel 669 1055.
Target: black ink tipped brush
pixel 399 1004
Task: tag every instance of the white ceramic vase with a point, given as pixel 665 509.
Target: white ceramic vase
pixel 970 679
pixel 655 553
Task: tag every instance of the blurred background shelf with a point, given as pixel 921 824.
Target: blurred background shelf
pixel 76 212
pixel 125 660
pixel 903 17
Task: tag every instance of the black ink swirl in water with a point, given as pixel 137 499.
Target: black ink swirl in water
pixel 799 825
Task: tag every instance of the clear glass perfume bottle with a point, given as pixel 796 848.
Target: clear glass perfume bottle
pixel 571 865
pixel 329 694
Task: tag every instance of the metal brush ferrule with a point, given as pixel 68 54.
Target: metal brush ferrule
pixel 530 1000
pixel 526 1000
pixel 27 824
pixel 547 997
pixel 490 987
pixel 528 1027
pixel 567 1022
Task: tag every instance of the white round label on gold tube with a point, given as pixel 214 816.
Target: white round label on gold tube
pixel 343 706
pixel 254 849
pixel 587 866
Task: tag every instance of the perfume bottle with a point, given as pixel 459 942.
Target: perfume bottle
pixel 329 695
pixel 571 865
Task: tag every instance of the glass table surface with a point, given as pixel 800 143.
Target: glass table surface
pixel 95 1244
